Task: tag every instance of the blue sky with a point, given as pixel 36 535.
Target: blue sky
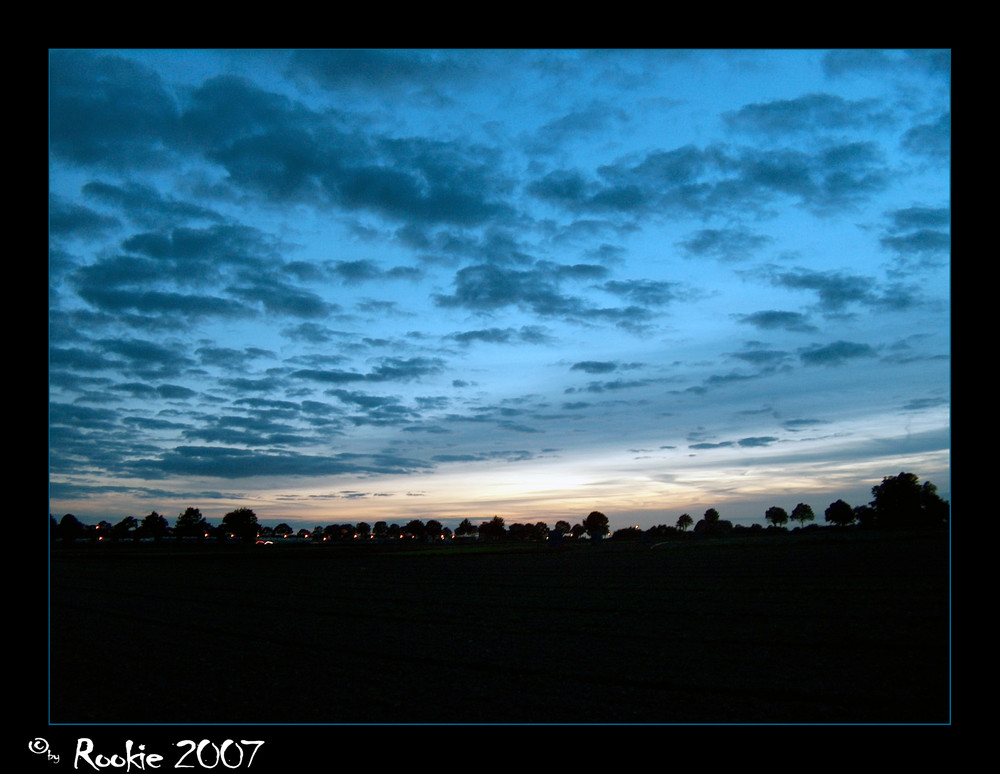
pixel 362 285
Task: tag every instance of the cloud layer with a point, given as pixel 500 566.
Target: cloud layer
pixel 489 277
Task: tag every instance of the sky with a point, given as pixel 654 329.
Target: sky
pixel 337 286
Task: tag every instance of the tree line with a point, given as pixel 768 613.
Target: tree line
pixel 899 501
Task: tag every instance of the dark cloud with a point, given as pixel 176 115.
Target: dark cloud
pixel 835 354
pixel 282 299
pixel 808 113
pixel 932 140
pixel 232 463
pixel 757 441
pixel 919 236
pixel 761 357
pixel 528 334
pixel 778 320
pixel 728 244
pixel 598 117
pixel 594 366
pixel 68 219
pixel 364 270
pixel 880 63
pixel 836 290
pixel 385 71
pixel 145 206
pixel 716 179
pixel 645 292
pixel 109 111
pixel 390 369
pixel 486 288
pixel 798 425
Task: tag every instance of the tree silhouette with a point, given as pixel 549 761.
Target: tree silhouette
pixel 684 522
pixel 777 516
pixel 155 526
pixel 493 529
pixel 70 528
pixel 839 513
pixel 711 516
pixel 190 524
pixel 465 529
pixel 802 513
pixel 596 525
pixel 415 528
pixel 900 501
pixel 433 529
pixel 242 523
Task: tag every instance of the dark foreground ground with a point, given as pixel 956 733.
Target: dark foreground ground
pixel 819 628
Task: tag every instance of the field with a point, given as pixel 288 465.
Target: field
pixel 825 627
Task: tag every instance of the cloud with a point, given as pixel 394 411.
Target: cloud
pixel 364 270
pixel 355 264
pixel 716 179
pixel 880 63
pixel 932 140
pixel 919 236
pixel 387 72
pixel 724 244
pixel 835 354
pixel 526 334
pixel 231 463
pixel 836 290
pixel 594 366
pixel 390 369
pixel 778 320
pixel 109 111
pixel 807 113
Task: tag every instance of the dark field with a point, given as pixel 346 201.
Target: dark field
pixel 826 627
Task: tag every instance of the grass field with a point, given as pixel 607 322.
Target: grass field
pixel 826 627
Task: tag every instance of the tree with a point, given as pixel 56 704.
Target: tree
pixel 190 524
pixel 465 529
pixel 596 525
pixel 416 529
pixel 70 528
pixel 839 513
pixel 803 513
pixel 562 526
pixel 155 526
pixel 433 529
pixel 777 516
pixel 711 516
pixel 242 523
pixel 900 501
pixel 684 521
pixel 493 529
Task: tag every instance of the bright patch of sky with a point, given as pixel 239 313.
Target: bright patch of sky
pixel 340 286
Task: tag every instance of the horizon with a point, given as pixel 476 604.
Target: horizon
pixel 343 286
